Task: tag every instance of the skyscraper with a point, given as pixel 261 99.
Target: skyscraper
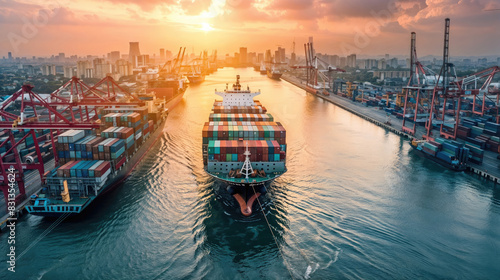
pixel 351 60
pixel 268 57
pixel 243 55
pixel 114 56
pixel 133 52
pixel 10 56
pixel 282 57
pixel 162 54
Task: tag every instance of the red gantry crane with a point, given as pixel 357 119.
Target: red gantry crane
pixel 78 110
pixel 417 92
pixel 313 71
pixel 450 91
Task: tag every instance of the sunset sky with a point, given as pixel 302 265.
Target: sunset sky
pixel 365 27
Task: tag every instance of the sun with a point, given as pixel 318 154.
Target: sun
pixel 206 27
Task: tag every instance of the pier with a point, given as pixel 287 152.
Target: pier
pixel 489 168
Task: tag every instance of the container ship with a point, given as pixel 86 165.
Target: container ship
pixel 170 88
pixel 274 73
pixel 243 146
pixel 92 162
pixel 195 77
pixel 448 153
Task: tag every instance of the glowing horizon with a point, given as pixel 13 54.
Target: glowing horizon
pixel 41 28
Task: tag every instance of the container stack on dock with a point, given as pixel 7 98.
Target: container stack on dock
pixel 479 135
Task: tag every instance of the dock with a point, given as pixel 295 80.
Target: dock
pixel 490 168
pixel 33 184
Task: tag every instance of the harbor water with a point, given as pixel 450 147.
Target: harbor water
pixel 356 203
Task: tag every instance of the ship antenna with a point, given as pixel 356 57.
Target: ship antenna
pixel 247 169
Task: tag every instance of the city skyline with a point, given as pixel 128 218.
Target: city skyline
pixel 42 28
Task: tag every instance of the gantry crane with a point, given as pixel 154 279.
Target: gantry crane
pixel 79 110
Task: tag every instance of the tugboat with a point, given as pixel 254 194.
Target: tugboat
pixel 243 146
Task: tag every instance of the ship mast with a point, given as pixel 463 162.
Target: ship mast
pixel 247 169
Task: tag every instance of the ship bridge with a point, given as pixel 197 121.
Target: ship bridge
pixel 237 96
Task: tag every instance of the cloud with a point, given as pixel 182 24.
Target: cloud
pixel 195 7
pixel 145 5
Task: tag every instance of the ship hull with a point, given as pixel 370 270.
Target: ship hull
pixel 438 160
pixel 115 181
pixel 261 182
pixel 274 76
pixel 196 79
pixel 175 100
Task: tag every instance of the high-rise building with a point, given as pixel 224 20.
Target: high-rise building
pixel 351 61
pixel 124 67
pixel 162 54
pixel 268 57
pixel 133 52
pixel 393 62
pixel 362 64
pixel 243 55
pixel 10 56
pixel 260 57
pixel 102 69
pixel 61 57
pixel 276 56
pixel 382 64
pixel 252 57
pixel 141 60
pixel 89 73
pixel 69 71
pixel 81 68
pixel 114 56
pixel 236 58
pixel 281 55
pixel 335 60
pixel 48 69
pixel 293 59
pixel 343 62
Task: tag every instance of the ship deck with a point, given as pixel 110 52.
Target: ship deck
pixel 56 200
pixel 252 180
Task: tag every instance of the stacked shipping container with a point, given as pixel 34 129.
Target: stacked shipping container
pixel 260 150
pixel 244 130
pixel 232 128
